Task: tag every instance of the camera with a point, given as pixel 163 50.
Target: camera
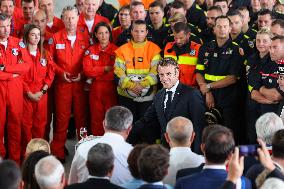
pixel 248 150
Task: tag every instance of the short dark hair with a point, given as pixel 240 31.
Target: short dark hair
pixel 181 26
pixel 28 1
pixel 125 7
pixel 102 24
pixel 218 145
pixel 100 160
pixel 10 175
pixel 209 129
pixel 28 168
pixel 157 4
pixel 279 22
pixel 243 8
pixel 264 12
pixel 153 163
pixel 168 61
pixel 278 37
pixel 136 3
pixel 236 13
pixel 177 5
pixel 216 8
pixel 223 17
pixel 216 1
pixel 7 0
pixel 138 22
pixel 132 160
pixel 278 144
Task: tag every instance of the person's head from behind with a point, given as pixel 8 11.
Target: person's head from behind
pixel 181 34
pixel 153 163
pixel 132 160
pixel 37 144
pixel 28 168
pixel 219 146
pixel 179 132
pixel 168 71
pixel 139 31
pixel 100 160
pixel 10 175
pixel 273 183
pixel 49 173
pixel 118 119
pixel 267 125
pixel 278 145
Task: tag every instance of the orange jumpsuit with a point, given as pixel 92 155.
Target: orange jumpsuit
pixel 16 61
pixel 68 95
pixel 35 114
pixel 103 90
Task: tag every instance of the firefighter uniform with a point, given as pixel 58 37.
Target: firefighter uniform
pixel 159 36
pixel 15 61
pixel 68 95
pixel 246 44
pixel 115 33
pixel 136 61
pixel 187 57
pixel 35 115
pixel 103 93
pixel 253 110
pixel 215 63
pixel 107 11
pixel 196 16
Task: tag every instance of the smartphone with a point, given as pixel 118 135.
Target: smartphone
pixel 248 150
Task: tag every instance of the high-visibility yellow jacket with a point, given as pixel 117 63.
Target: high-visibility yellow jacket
pixel 139 60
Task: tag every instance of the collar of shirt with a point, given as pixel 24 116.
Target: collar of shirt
pixel 173 89
pixel 214 167
pixel 91 176
pixel 114 136
pixel 278 166
pixel 180 149
pixel 157 183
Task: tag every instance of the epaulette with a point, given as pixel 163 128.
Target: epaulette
pixel 254 30
pixel 246 36
pixel 86 139
pixel 235 43
pixel 198 7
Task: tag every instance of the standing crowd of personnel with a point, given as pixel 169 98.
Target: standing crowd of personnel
pixel 230 53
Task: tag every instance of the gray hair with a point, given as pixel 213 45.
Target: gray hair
pixel 100 160
pixel 69 8
pixel 266 126
pixel 273 183
pixel 180 130
pixel 118 118
pixel 49 172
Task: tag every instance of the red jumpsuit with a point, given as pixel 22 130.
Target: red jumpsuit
pixel 68 95
pixel 57 25
pixel 35 113
pixel 83 26
pixel 103 93
pixel 16 61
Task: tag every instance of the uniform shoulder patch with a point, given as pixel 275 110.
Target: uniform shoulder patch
pixel 87 52
pixel 50 41
pixel 22 44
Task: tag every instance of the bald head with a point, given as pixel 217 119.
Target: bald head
pixel 40 20
pixel 180 130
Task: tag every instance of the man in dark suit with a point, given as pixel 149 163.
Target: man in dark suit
pixel 175 99
pixel 100 165
pixel 218 149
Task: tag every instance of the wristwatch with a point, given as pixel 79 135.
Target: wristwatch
pixel 43 91
pixel 208 86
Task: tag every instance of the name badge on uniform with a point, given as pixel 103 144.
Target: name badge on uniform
pixel 60 46
pixel 15 52
pixel 94 57
pixel 192 53
pixel 43 62
pixel 215 55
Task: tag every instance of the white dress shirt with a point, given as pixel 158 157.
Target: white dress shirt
pixel 181 158
pixel 121 149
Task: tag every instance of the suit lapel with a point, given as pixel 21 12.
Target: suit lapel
pixel 160 104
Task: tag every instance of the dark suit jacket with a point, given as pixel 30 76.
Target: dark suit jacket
pixel 206 179
pixel 187 102
pixel 94 183
pixel 151 186
pixel 189 171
